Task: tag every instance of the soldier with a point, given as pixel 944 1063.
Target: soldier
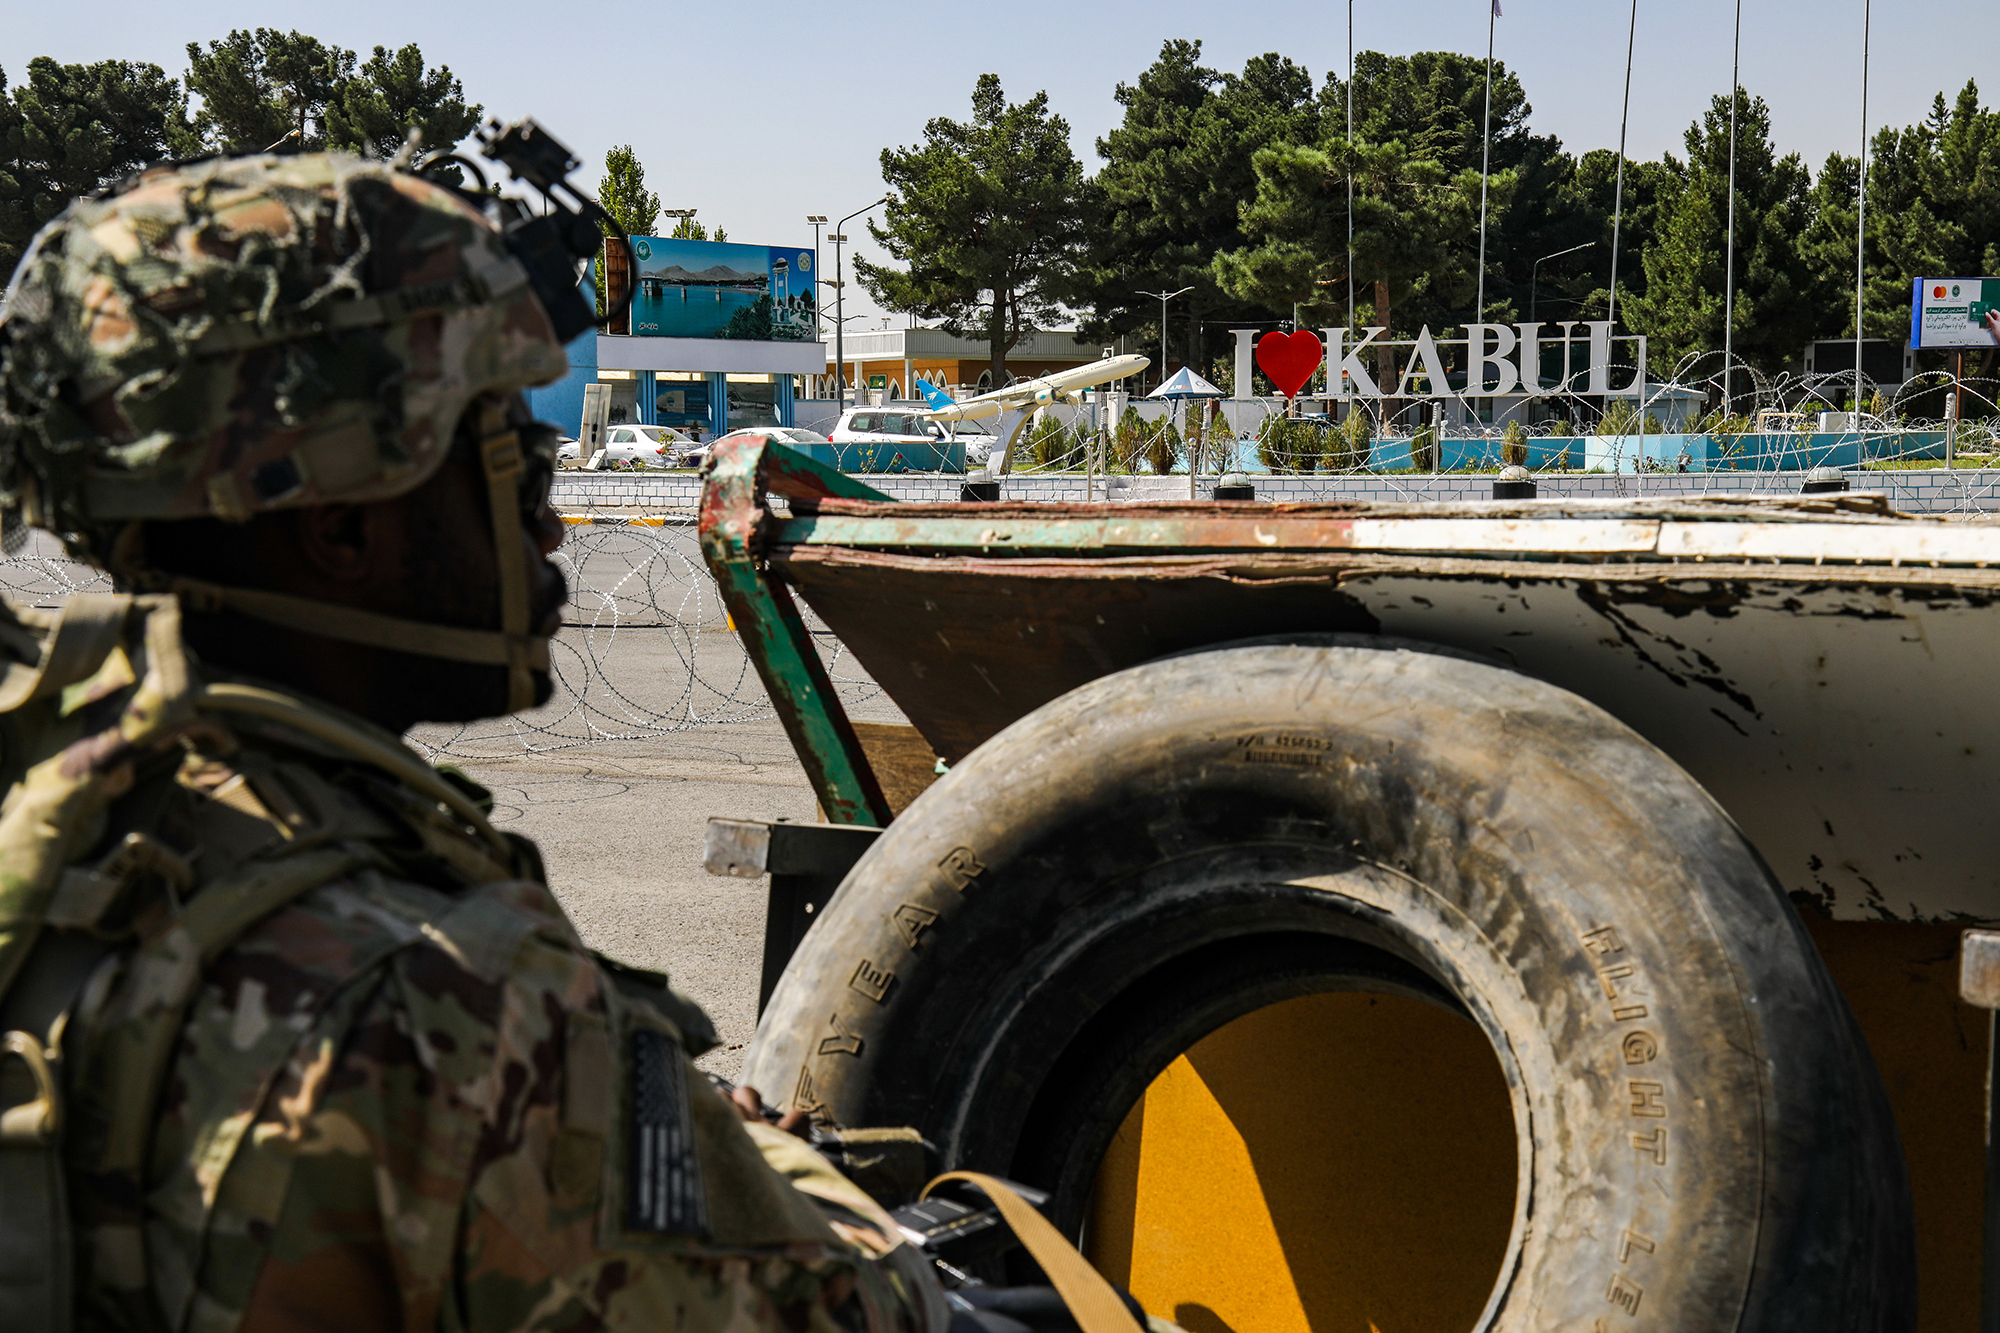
pixel 294 1037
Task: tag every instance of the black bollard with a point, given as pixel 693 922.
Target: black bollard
pixel 1233 486
pixel 1514 483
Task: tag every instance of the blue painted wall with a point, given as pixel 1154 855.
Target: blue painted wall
pixel 938 456
pixel 561 404
pixel 1621 453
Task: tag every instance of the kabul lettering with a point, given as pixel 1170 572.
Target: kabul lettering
pixel 1499 359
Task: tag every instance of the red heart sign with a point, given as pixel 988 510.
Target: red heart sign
pixel 1290 359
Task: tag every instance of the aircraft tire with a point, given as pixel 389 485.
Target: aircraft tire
pixel 1701 1131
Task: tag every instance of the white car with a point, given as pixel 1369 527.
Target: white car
pixel 979 449
pixel 884 425
pixel 648 446
pixel 784 434
pixel 792 435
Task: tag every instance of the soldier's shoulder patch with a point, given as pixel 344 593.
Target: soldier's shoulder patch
pixel 663 1179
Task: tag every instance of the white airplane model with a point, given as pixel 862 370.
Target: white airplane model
pixel 1064 385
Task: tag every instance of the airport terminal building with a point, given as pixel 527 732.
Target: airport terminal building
pixel 892 360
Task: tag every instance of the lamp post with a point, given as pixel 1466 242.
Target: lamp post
pixel 1164 298
pixel 1535 275
pixel 839 285
pixel 682 213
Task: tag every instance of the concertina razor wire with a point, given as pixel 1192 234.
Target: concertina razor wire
pixel 647 650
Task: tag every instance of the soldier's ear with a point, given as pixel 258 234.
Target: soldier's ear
pixel 341 541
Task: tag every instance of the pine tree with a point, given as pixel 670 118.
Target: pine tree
pixel 393 94
pixel 70 130
pixel 1412 221
pixel 1582 281
pixel 1933 210
pixel 1960 174
pixel 1776 293
pixel 1435 102
pixel 986 215
pixel 265 90
pixel 1167 198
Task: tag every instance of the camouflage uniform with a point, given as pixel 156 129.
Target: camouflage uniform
pixel 316 1024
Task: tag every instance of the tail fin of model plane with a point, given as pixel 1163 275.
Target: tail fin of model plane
pixel 936 397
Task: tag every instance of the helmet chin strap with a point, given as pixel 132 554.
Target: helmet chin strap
pixel 511 646
pixel 500 458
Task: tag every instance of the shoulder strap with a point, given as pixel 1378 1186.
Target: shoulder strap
pixel 37 1270
pixel 1090 1298
pixel 90 628
pixel 55 811
pixel 52 810
pixel 383 753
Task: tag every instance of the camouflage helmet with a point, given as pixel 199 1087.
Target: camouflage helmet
pixel 248 334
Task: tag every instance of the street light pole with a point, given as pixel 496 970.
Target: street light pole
pixel 839 301
pixel 1535 275
pixel 1164 298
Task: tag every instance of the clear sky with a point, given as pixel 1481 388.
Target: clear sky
pixel 760 113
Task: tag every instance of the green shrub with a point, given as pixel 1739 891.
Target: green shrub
pixel 1288 444
pixel 1128 440
pixel 1622 418
pixel 1346 449
pixel 1163 446
pixel 1514 445
pixel 1046 443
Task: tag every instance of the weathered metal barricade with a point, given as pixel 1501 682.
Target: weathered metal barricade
pixel 1590 700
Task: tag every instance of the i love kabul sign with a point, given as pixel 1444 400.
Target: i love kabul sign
pixel 1499 359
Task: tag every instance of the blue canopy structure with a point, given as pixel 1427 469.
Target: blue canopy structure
pixel 1183 384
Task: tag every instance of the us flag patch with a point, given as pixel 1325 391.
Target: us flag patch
pixel 663 1183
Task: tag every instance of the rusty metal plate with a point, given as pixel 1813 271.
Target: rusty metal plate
pixel 1839 716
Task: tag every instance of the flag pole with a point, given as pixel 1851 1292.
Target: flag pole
pixel 1861 216
pixel 1350 164
pixel 1729 260
pixel 1618 195
pixel 1485 162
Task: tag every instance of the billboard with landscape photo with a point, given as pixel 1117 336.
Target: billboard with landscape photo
pixel 715 289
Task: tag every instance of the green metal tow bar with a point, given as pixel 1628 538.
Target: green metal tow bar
pixel 733 527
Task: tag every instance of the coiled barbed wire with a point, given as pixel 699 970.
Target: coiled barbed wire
pixel 647 648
